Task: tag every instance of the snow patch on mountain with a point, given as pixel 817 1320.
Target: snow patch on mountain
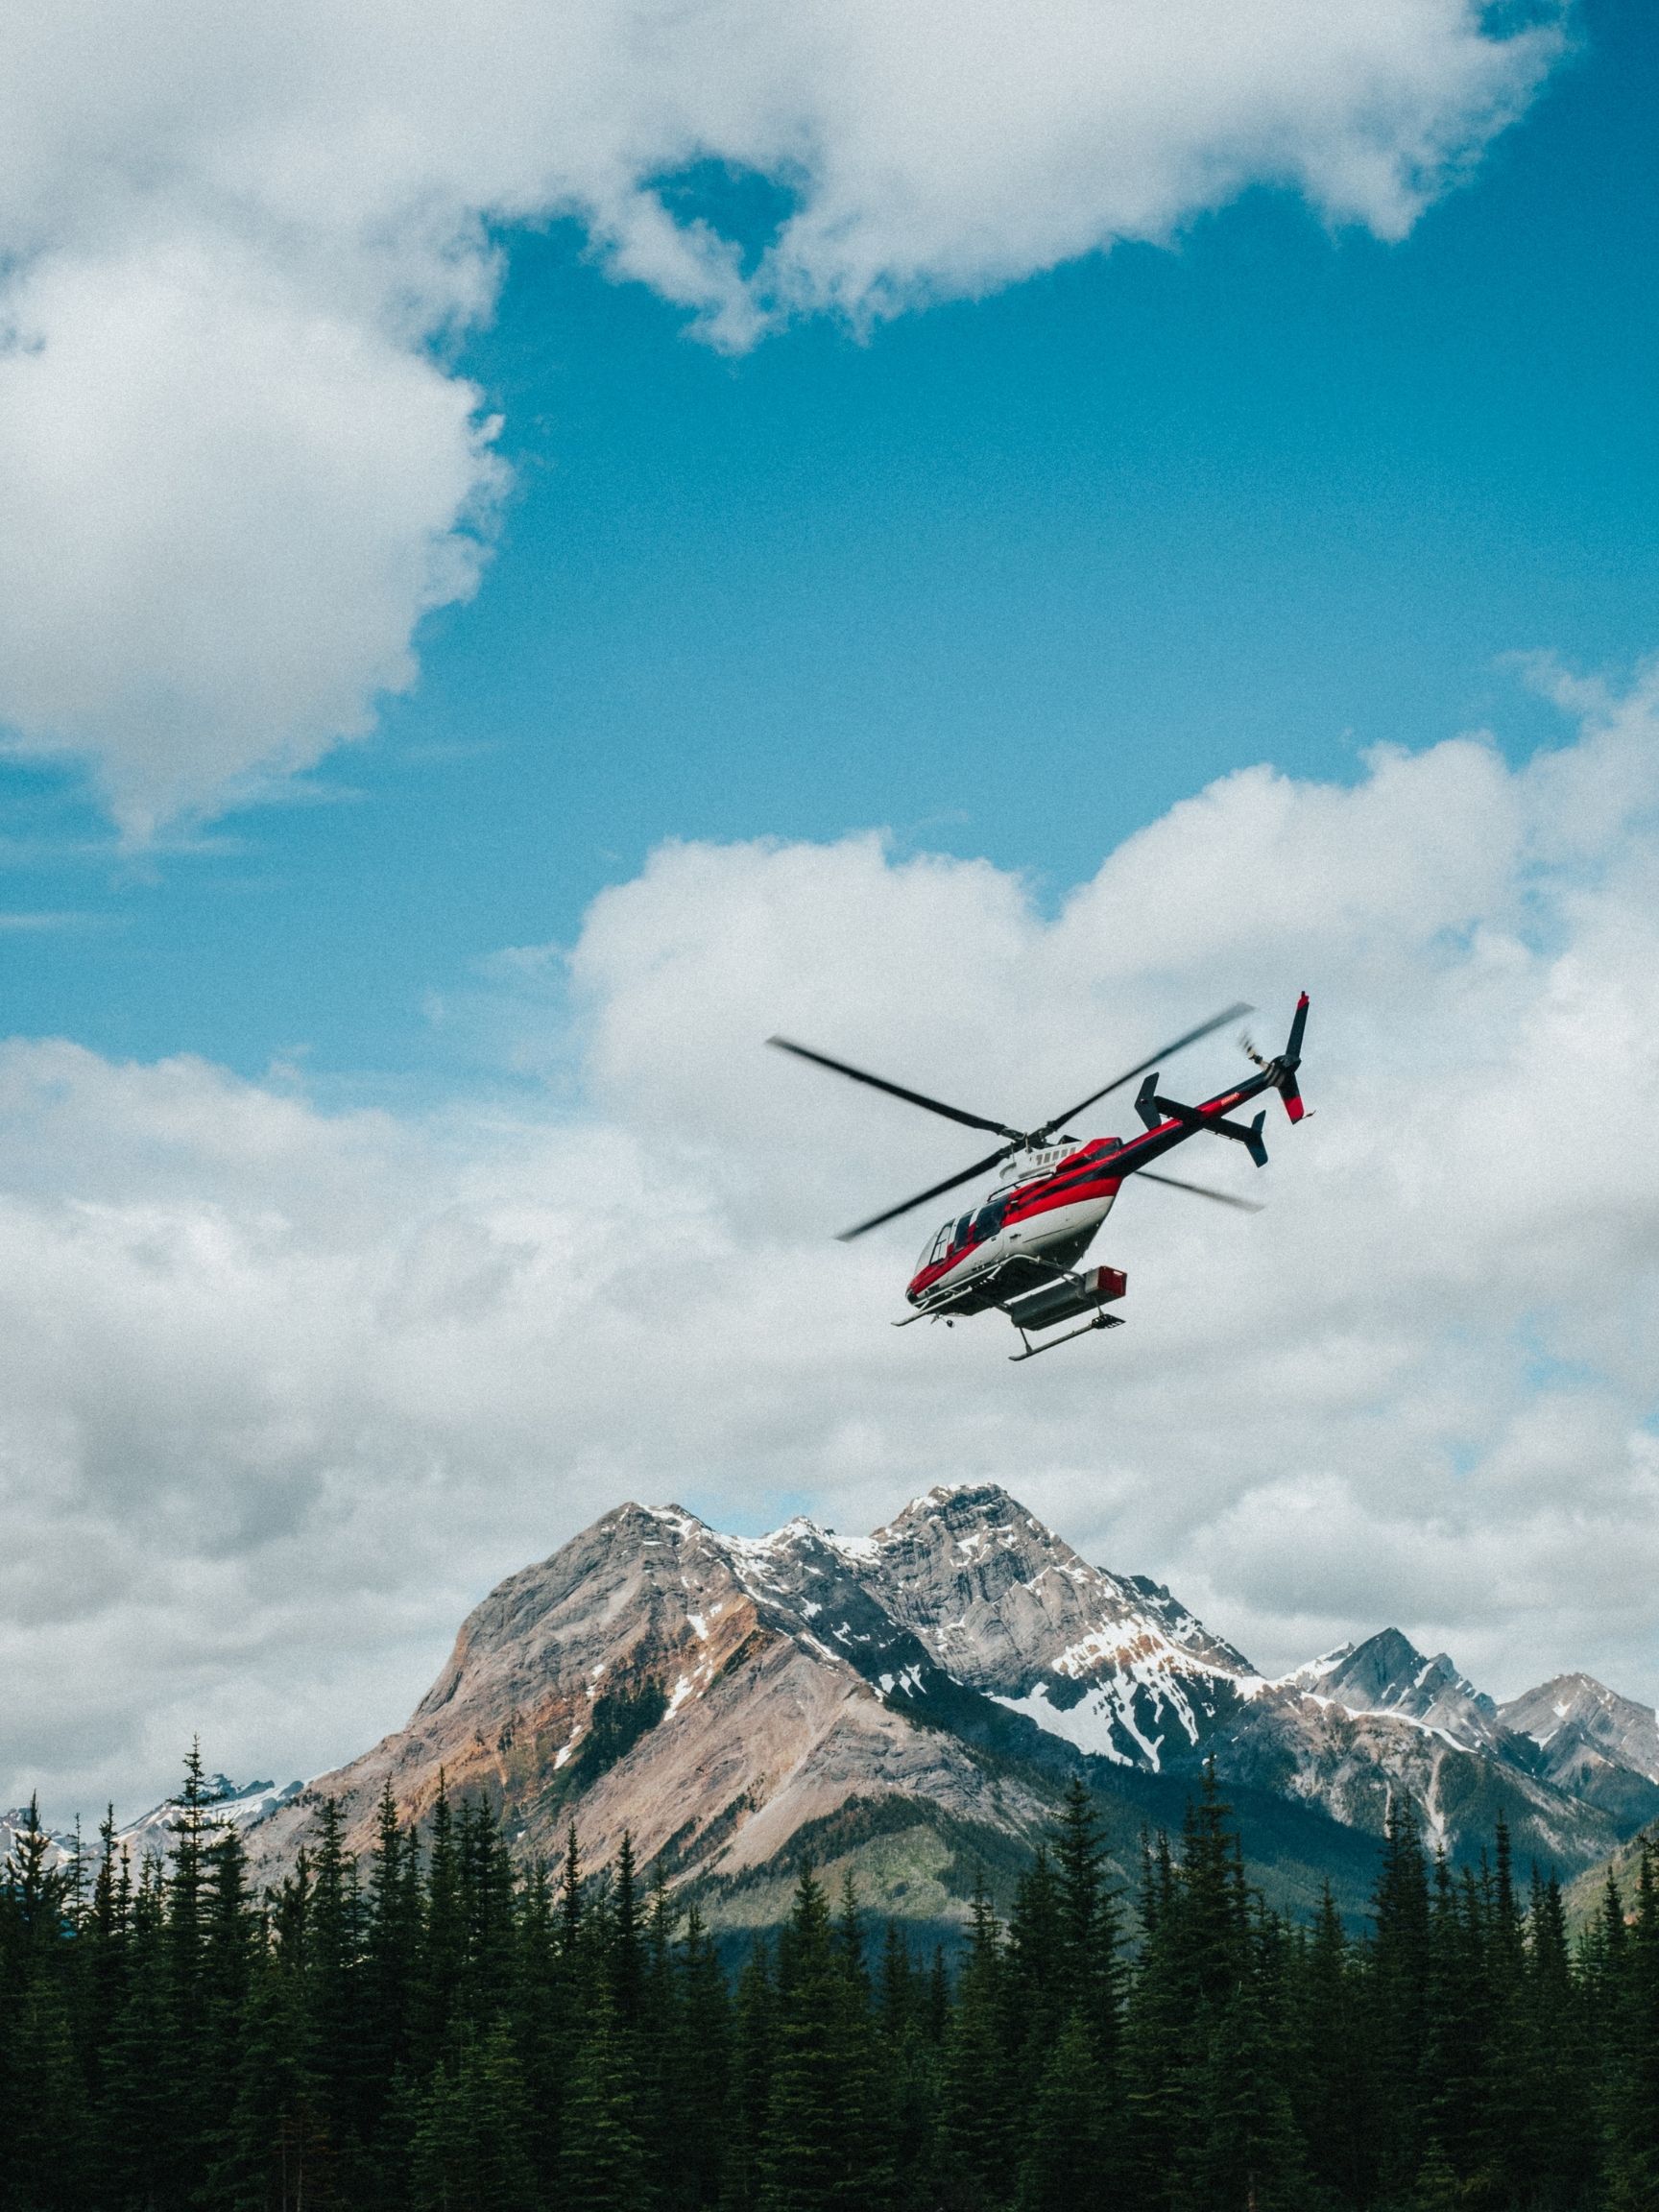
pixel 227 1804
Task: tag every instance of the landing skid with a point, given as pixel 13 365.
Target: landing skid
pixel 1089 1295
pixel 1100 1321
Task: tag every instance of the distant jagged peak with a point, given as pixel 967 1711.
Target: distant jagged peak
pixel 225 1803
pixel 1570 1697
pixel 1387 1673
pixel 1573 1713
pixel 976 1527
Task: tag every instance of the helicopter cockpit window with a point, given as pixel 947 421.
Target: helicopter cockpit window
pixel 935 1248
pixel 990 1219
pixel 962 1228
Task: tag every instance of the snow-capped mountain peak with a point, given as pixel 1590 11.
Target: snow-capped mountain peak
pixel 1387 1673
pixel 228 1804
pixel 1578 1721
pixel 1112 1663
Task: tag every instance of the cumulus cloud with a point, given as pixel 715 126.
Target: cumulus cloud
pixel 234 466
pixel 281 1392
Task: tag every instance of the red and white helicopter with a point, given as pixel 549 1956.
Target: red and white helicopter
pixel 1018 1252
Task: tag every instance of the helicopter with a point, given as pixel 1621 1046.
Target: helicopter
pixel 1018 1253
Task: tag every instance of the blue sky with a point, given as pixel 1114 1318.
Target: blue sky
pixel 1006 577
pixel 539 546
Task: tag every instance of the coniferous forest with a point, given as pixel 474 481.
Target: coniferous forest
pixel 437 2030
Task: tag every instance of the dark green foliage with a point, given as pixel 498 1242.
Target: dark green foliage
pixel 825 2138
pixel 620 1718
pixel 437 2030
pixel 468 2152
pixel 979 2137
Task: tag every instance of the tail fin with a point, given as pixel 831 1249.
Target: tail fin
pixel 1290 1059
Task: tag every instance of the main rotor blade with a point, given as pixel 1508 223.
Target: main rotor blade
pixel 1216 1021
pixel 897 1091
pixel 1199 1191
pixel 934 1191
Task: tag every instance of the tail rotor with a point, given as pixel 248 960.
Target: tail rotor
pixel 1283 1068
pixel 1290 1060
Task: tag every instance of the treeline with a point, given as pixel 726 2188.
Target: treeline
pixel 437 2031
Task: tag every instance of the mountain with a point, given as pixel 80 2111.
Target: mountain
pixel 238 1804
pixel 715 1697
pixel 913 1703
pixel 11 1826
pixel 1591 1741
pixel 1112 1665
pixel 1387 1673
pixel 242 1804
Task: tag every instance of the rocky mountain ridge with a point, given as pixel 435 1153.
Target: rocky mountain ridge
pixel 916 1699
pixel 242 1804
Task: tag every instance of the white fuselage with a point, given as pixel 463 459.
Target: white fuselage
pixel 1038 1234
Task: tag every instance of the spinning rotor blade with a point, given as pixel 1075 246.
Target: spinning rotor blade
pixel 1200 1190
pixel 898 1090
pixel 1218 1021
pixel 936 1190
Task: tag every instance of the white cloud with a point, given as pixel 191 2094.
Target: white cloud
pixel 225 507
pixel 234 471
pixel 281 1393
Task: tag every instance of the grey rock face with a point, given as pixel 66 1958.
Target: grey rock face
pixel 1592 1743
pixel 1113 1666
pixel 1387 1673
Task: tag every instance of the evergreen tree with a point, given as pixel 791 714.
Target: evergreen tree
pixel 699 2067
pixel 1396 1998
pixel 275 2156
pixel 139 2136
pixel 804 2149
pixel 1036 1985
pixel 468 2152
pixel 1328 2044
pixel 185 2055
pixel 602 2161
pixel 1560 2060
pixel 1632 2093
pixel 978 2143
pixel 1458 2020
pixel 909 2058
pixel 232 1941
pixel 753 2050
pixel 1163 2002
pixel 388 1977
pixel 1070 2138
pixel 44 2117
pixel 331 1982
pixel 1091 1973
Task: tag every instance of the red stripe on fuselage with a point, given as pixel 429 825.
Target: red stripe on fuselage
pixel 1089 1174
pixel 1084 1175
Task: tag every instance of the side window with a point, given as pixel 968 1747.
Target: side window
pixel 990 1219
pixel 962 1228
